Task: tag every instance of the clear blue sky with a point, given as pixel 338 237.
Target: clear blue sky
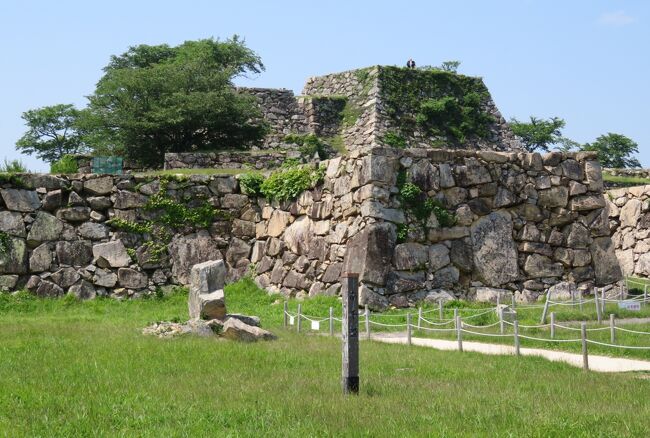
pixel 585 61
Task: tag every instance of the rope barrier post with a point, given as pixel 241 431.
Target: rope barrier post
pixel 459 333
pixel 498 299
pixel 514 303
pixel 612 328
pixel 501 323
pixel 419 317
pixel 573 298
pixel 545 311
pixel 580 301
pixel 517 349
pixel 286 314
pixel 299 318
pixel 552 325
pixel 585 354
pixel 440 309
pixel 602 301
pixel 367 322
pixel 645 295
pixel 331 321
pixel 408 328
pixel 350 334
pixel 600 317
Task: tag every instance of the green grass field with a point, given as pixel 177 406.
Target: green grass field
pixel 70 368
pixel 620 180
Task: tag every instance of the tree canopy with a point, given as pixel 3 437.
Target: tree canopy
pixel 539 134
pixel 51 132
pixel 157 99
pixel 614 150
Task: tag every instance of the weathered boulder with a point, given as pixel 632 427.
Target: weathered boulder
pixel 626 262
pixel 104 278
pixel 370 298
pixel 65 277
pixel 99 202
pixel 490 294
pixel 99 186
pixel 20 200
pixel 425 175
pixel 111 254
pixel 278 222
pixel 74 214
pixel 539 266
pixel 12 223
pixel 206 298
pixel 630 213
pixel 48 289
pixel 587 202
pixel 370 251
pixel 562 291
pixel 237 330
pixel 472 173
pixel 298 235
pixel 93 231
pixel 83 290
pixel 45 227
pixel 643 265
pixel 246 319
pixel 187 251
pixel 553 197
pixel 8 282
pixel 53 200
pixel 495 253
pixel 376 210
pixel 124 199
pixel 237 250
pixel 332 273
pixel 410 256
pixel 438 256
pixel 132 279
pixel 445 278
pixel 376 168
pixel 13 258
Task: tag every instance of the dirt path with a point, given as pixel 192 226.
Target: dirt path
pixel 596 363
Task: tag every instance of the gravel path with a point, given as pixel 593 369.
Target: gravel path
pixel 596 363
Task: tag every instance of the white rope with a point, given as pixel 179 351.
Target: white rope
pixel 482 326
pixel 529 326
pixel 313 318
pixel 548 340
pixel 631 347
pixel 577 329
pixel 438 323
pixel 480 314
pixel 494 335
pixel 430 329
pixel 632 331
pixel 387 325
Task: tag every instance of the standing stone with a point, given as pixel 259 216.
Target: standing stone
pixel 206 298
pixel 370 252
pixel 20 200
pixel 45 227
pixel 605 263
pixel 111 254
pixel 495 253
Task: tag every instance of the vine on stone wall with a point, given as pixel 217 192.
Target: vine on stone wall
pixel 444 104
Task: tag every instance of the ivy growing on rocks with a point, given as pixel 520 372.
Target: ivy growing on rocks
pixel 441 103
pixel 288 183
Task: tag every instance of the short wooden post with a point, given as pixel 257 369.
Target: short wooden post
pixel 573 298
pixel 612 328
pixel 286 314
pixel 441 312
pixel 408 328
pixel 603 301
pixel 585 354
pixel 645 295
pixel 367 322
pixel 459 333
pixel 331 321
pixel 600 317
pixel 501 322
pixel 419 318
pixel 299 318
pixel 552 325
pixel 546 304
pixel 517 349
pixel 350 334
pixel 580 300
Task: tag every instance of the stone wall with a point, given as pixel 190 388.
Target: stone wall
pixel 524 223
pixel 260 159
pixel 629 214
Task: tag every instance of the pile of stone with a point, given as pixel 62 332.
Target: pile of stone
pixel 207 309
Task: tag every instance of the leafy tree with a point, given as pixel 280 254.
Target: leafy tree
pixel 52 132
pixel 450 66
pixel 614 150
pixel 541 134
pixel 157 99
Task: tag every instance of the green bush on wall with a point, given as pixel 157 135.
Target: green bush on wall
pixel 289 183
pixel 67 164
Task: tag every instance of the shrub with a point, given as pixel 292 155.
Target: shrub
pixel 309 144
pixel 289 183
pixel 395 140
pixel 13 166
pixel 67 164
pixel 251 183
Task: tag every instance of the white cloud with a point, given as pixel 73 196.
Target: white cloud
pixel 618 18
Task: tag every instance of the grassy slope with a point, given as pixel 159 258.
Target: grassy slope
pixel 625 180
pixel 69 368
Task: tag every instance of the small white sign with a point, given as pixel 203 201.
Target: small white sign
pixel 290 320
pixel 315 325
pixel 629 305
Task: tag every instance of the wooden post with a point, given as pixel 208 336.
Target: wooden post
pixel 517 350
pixel 286 315
pixel 408 328
pixel 514 302
pixel 419 317
pixel 645 295
pixel 501 322
pixel 331 321
pixel 602 301
pixel 441 309
pixel 299 317
pixel 552 325
pixel 612 328
pixel 600 318
pixel 546 304
pixel 498 299
pixel 350 334
pixel 459 333
pixel 367 322
pixel 580 301
pixel 585 355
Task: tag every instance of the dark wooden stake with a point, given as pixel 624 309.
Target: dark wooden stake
pixel 350 333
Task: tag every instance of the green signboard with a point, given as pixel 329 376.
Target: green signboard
pixel 111 165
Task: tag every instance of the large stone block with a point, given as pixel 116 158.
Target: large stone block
pixel 45 227
pixel 111 254
pixel 605 263
pixel 237 330
pixel 12 223
pixel 99 186
pixel 187 251
pixel 132 279
pixel 75 253
pixel 13 260
pixel 206 298
pixel 495 253
pixel 20 200
pixel 410 256
pixel 370 251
